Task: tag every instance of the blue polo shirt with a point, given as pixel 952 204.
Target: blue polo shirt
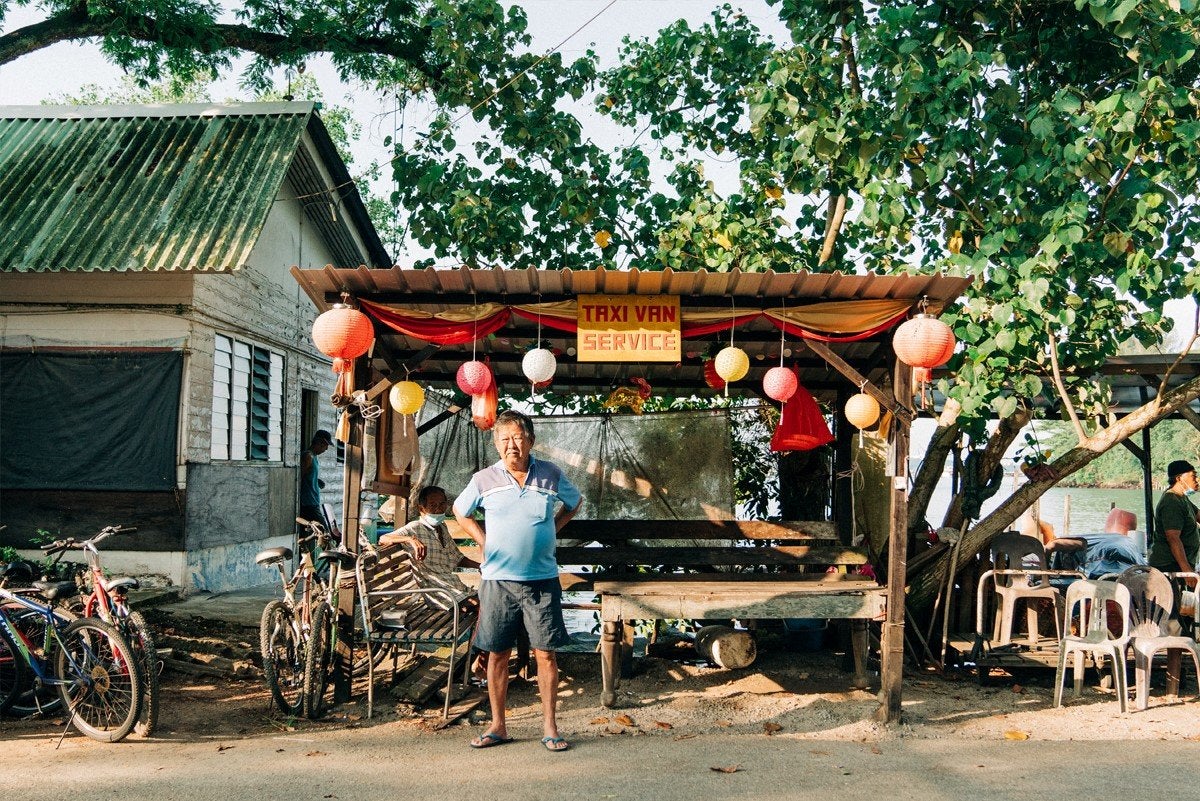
pixel 519 521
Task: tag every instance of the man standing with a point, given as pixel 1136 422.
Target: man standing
pixel 519 574
pixel 310 478
pixel 1176 544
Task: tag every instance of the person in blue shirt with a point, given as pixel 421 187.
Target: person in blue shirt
pixel 525 502
pixel 310 478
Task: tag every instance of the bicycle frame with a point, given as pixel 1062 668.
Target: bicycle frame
pixel 38 664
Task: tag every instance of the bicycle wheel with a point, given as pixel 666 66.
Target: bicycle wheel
pixel 36 698
pixel 102 681
pixel 138 634
pixel 14 673
pixel 316 661
pixel 283 657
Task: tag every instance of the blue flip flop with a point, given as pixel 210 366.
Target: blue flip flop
pixel 555 744
pixel 488 740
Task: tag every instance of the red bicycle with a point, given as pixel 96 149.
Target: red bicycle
pixel 108 600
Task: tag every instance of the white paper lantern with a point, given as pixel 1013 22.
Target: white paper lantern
pixel 539 365
pixel 732 364
pixel 780 384
pixel 406 397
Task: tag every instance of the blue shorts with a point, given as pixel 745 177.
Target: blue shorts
pixel 504 604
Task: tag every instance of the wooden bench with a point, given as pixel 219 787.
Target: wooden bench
pixel 401 609
pixel 689 569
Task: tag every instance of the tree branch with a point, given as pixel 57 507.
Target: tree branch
pixel 1056 371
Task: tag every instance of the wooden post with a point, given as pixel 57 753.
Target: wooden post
pixel 892 640
pixel 352 477
pixel 843 497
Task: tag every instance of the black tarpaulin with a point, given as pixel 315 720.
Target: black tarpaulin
pixel 94 420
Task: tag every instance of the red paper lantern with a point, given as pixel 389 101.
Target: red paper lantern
pixel 780 384
pixel 343 332
pixel 474 377
pixel 924 341
pixel 710 375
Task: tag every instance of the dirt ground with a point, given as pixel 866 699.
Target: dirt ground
pixel 786 693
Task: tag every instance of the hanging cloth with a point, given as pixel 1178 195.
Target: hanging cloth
pixel 802 427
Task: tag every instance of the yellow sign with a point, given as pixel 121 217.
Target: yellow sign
pixel 629 328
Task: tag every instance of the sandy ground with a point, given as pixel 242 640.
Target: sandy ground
pixel 789 694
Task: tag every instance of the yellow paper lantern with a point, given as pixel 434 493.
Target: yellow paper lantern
pixel 862 411
pixel 406 397
pixel 732 364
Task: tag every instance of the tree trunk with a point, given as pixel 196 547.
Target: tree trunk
pixel 923 588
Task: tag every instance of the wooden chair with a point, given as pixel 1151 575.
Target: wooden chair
pixel 1091 599
pixel 1152 601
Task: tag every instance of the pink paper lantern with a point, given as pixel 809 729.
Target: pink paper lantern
pixel 474 377
pixel 780 384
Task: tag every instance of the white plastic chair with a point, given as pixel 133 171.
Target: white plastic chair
pixel 1152 601
pixel 1010 553
pixel 1092 598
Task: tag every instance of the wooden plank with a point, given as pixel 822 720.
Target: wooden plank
pixel 762 555
pixel 608 530
pixel 729 587
pixel 863 604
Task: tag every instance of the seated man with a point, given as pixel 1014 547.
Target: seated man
pixel 437 554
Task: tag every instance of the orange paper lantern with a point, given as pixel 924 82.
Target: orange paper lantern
pixel 924 341
pixel 343 332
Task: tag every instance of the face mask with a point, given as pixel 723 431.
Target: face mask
pixel 1189 492
pixel 432 519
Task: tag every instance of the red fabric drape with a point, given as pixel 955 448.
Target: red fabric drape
pixel 802 426
pixel 431 329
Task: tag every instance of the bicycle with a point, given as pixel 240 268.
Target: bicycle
pixel 286 628
pixel 94 668
pixel 108 600
pixel 324 637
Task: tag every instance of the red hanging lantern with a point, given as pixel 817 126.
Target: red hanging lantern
pixel 710 375
pixel 780 384
pixel 474 377
pixel 343 333
pixel 924 341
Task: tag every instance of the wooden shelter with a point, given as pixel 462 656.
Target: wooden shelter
pixel 834 328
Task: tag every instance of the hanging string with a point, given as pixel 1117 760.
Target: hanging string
pixel 782 338
pixel 474 323
pixel 536 344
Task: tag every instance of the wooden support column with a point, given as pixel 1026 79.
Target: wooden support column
pixel 892 639
pixel 352 477
pixel 1147 488
pixel 843 497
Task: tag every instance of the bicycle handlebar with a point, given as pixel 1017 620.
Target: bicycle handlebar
pixel 70 543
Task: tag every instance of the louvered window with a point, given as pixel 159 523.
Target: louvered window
pixel 247 417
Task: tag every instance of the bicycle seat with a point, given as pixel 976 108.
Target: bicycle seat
pixel 51 590
pixel 345 559
pixel 273 556
pixel 122 583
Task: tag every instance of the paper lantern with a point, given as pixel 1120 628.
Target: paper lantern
pixel 406 397
pixel 343 332
pixel 539 365
pixel 780 384
pixel 862 411
pixel 924 341
pixel 710 374
pixel 732 364
pixel 474 377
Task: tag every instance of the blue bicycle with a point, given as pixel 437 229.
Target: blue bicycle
pixel 87 660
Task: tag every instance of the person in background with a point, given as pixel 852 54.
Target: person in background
pixel 526 501
pixel 430 539
pixel 310 478
pixel 1176 543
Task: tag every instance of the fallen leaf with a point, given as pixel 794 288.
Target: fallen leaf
pixel 279 750
pixel 771 728
pixel 724 723
pixel 331 795
pixel 599 721
pixel 624 720
pixel 876 750
pixel 819 753
pixel 354 717
pixel 316 753
pixel 225 747
pixel 1013 734
pixel 663 724
pixel 1018 689
pixel 679 737
pixel 727 769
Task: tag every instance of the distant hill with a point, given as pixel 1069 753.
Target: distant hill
pixel 1169 440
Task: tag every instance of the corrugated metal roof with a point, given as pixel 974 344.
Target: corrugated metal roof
pixel 438 290
pixel 174 187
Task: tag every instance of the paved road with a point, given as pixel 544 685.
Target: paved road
pixel 399 762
